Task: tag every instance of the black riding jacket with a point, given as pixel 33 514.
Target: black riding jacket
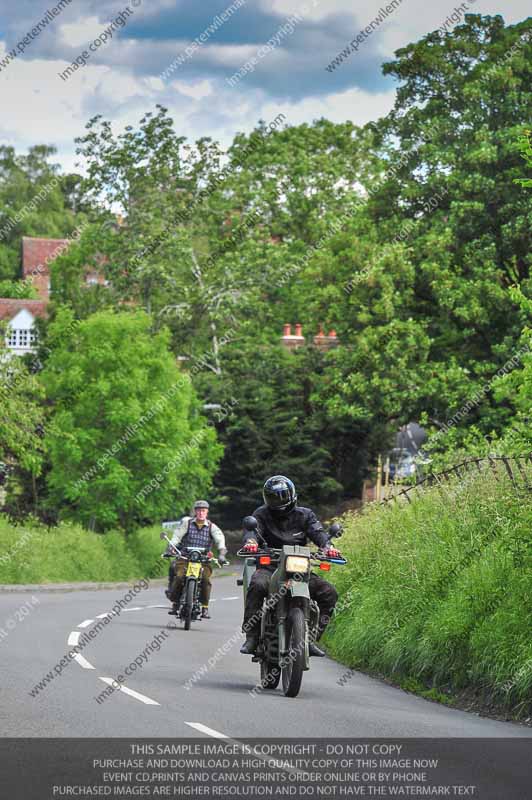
pixel 296 527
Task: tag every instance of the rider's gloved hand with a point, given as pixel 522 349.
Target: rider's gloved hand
pixel 250 546
pixel 332 552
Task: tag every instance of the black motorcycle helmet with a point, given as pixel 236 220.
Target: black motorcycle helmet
pixel 279 494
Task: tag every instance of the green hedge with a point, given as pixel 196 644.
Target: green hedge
pixel 439 593
pixel 35 554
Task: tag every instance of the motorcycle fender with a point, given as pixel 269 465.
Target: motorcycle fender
pixel 193 570
pixel 298 589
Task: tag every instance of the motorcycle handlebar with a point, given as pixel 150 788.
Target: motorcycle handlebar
pixel 204 559
pixel 243 553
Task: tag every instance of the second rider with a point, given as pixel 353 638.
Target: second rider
pixel 280 522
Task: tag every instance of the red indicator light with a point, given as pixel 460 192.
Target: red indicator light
pixel 325 566
pixel 265 560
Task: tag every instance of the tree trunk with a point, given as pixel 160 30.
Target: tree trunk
pixel 214 331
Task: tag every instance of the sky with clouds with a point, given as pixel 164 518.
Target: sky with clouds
pixel 127 75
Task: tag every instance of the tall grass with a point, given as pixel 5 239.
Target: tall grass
pixel 33 553
pixel 440 591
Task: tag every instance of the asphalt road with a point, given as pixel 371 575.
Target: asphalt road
pixel 160 705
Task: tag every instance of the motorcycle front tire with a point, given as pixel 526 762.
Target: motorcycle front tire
pixel 294 663
pixel 189 604
pixel 270 675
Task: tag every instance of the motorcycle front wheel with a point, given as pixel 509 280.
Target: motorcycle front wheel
pixel 293 664
pixel 270 675
pixel 189 604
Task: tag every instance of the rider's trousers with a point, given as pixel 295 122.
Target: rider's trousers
pixel 320 590
pixel 179 580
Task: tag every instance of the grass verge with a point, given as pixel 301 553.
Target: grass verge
pixel 437 594
pixel 32 553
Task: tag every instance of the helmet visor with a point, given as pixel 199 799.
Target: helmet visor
pixel 277 499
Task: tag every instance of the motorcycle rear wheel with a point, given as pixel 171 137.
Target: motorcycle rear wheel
pixel 292 672
pixel 189 604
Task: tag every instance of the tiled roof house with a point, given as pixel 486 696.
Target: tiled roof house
pixel 37 254
pixel 20 314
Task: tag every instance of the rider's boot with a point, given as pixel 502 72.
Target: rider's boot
pixel 313 649
pixel 173 610
pixel 252 639
pixel 250 645
pixel 205 612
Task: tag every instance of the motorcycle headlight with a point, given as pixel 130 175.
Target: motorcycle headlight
pixel 296 564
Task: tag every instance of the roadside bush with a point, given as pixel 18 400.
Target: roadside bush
pixel 440 590
pixel 33 553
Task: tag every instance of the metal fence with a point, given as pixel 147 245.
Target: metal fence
pixel 517 468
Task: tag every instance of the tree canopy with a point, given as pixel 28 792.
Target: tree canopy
pixel 409 236
pixel 126 441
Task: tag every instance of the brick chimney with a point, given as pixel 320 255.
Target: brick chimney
pixel 323 341
pixel 291 341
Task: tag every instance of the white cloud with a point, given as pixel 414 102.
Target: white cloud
pixel 81 32
pixel 310 9
pixel 230 55
pixel 198 90
pixel 38 107
pixel 412 20
pixel 355 105
pixel 416 18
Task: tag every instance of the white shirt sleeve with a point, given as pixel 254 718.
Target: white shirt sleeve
pixel 218 537
pixel 179 530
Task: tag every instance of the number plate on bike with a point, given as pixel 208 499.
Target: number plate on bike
pixel 193 570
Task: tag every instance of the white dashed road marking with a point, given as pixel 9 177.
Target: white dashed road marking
pixel 73 639
pixel 121 688
pixel 83 662
pixel 208 731
pixel 270 760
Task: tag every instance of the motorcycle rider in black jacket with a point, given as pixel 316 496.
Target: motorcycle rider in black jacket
pixel 280 522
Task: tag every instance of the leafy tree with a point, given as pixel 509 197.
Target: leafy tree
pixel 406 236
pixel 515 388
pixel 170 252
pixel 270 424
pixel 126 442
pixel 18 289
pixel 418 286
pixel 21 428
pixel 33 202
pixel 525 146
pixel 458 110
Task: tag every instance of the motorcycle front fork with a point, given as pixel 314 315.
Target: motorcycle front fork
pixel 312 615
